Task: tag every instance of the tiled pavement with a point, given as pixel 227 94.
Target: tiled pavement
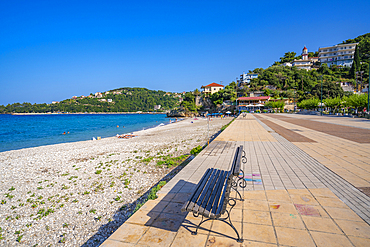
pixel 289 200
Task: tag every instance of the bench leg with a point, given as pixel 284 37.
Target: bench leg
pixel 242 183
pixel 244 159
pixel 239 239
pixel 201 222
pixel 235 188
pixel 239 181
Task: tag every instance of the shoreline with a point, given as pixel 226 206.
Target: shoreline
pixel 73 192
pixel 114 136
pixel 81 113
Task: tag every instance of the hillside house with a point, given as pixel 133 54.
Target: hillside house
pixel 211 89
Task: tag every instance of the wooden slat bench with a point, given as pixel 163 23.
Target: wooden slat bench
pixel 212 193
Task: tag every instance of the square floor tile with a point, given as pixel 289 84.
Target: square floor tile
pixel 157 237
pixel 113 243
pixel 129 233
pixel 299 192
pixel 328 239
pixel 255 195
pixel 343 214
pixel 142 217
pixel 287 220
pixel 304 199
pixel 365 242
pixel 354 228
pixel 308 210
pixel 325 192
pixel 216 241
pixel 154 205
pixel 248 243
pixel 222 229
pixel 257 217
pixel 331 202
pixel 181 197
pixel 263 233
pixel 282 207
pixel 170 222
pixel 256 205
pixel 174 208
pixel 294 237
pixel 236 215
pixel 191 223
pixel 321 224
pixel 165 197
pixel 185 236
pixel 278 196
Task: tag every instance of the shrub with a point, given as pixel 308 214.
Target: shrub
pixel 153 193
pixel 195 151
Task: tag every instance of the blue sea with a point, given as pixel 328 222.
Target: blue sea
pixel 24 131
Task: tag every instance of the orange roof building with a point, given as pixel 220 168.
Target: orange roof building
pixel 212 88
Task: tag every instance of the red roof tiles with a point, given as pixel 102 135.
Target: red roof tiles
pixel 254 98
pixel 213 85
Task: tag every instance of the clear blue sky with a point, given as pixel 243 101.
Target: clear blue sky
pixel 53 50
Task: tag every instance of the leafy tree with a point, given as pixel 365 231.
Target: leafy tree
pixel 356 101
pixel 329 90
pixel 309 104
pixel 275 104
pixel 333 103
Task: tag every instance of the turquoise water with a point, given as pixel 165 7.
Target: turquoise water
pixel 23 131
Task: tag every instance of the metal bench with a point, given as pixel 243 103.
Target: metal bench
pixel 212 193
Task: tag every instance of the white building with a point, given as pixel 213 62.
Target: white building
pixel 342 54
pixel 306 62
pixel 246 78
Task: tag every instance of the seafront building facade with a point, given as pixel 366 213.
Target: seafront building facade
pixel 251 103
pixel 341 55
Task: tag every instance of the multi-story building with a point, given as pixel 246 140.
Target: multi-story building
pixel 212 88
pixel 342 54
pixel 246 78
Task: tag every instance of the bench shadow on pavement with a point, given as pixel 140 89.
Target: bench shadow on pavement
pixel 165 212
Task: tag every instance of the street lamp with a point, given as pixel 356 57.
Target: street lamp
pixel 368 92
pixel 295 102
pixel 321 97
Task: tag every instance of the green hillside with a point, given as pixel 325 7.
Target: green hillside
pixel 122 100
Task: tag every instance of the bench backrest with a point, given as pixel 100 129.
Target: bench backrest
pixel 235 167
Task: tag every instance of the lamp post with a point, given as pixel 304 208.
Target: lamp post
pixel 368 92
pixel 295 103
pixel 321 97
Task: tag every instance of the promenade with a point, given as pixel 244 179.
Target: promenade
pixel 307 179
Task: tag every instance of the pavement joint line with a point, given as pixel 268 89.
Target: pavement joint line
pixel 326 175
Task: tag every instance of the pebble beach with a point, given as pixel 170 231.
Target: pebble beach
pixel 79 193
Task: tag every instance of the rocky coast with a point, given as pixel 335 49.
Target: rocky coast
pixel 75 194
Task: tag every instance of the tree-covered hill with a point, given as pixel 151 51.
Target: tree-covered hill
pixel 122 100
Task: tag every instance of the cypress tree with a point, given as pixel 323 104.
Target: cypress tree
pixel 352 71
pixel 357 58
